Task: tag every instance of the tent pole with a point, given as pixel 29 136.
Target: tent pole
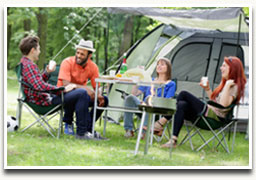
pixel 239 32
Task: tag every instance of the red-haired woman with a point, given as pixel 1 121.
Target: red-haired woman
pixel 230 90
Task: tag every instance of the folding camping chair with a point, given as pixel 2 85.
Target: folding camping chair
pixel 217 128
pixel 40 113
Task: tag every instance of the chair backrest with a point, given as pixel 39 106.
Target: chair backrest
pixel 18 70
pixel 176 82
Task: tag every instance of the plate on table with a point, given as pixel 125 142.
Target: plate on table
pixel 125 79
pixel 107 77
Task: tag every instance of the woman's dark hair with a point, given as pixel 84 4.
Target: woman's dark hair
pixel 169 67
pixel 27 43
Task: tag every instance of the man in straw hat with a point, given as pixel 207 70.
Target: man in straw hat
pixel 76 70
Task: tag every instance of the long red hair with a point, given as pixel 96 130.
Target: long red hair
pixel 236 72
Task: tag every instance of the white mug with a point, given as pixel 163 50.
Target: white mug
pixel 52 64
pixel 112 73
pixel 204 80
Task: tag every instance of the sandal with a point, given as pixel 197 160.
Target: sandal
pixel 158 126
pixel 158 130
pixel 168 144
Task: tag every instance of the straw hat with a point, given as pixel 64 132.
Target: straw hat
pixel 88 45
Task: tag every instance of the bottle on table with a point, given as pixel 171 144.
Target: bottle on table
pixel 124 65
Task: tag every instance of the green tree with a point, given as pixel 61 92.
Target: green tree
pixel 42 18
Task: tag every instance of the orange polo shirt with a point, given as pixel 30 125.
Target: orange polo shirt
pixel 74 73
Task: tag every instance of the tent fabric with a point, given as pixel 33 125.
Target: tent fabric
pixel 206 14
pixel 223 19
pixel 195 51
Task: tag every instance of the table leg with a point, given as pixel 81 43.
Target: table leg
pixel 139 134
pixel 172 126
pixel 106 114
pixel 95 108
pixel 148 134
pixel 152 129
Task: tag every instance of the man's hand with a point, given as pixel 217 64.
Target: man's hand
pixel 48 70
pixel 91 93
pixel 70 87
pixel 101 100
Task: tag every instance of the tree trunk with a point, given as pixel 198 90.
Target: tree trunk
pixel 97 45
pixel 9 35
pixel 127 35
pixel 42 18
pixel 137 30
pixel 27 24
pixel 106 35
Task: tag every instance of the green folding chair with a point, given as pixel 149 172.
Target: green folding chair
pixel 40 113
pixel 218 129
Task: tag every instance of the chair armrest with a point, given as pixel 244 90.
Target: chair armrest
pixel 123 93
pixel 62 88
pixel 219 106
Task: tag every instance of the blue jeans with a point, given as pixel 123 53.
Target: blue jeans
pixel 79 101
pixel 132 102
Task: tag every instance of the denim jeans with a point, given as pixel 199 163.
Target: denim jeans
pixel 79 101
pixel 132 102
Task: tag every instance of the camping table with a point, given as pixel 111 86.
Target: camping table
pixel 168 107
pixel 118 108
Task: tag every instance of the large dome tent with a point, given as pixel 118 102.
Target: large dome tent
pixel 195 41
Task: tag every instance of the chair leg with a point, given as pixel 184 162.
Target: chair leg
pixel 202 137
pixel 41 120
pixel 225 142
pixel 188 136
pixel 215 135
pixel 60 124
pixel 234 136
pixel 19 112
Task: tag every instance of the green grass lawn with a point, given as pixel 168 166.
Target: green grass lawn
pixel 35 147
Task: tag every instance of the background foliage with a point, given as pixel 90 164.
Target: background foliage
pixel 112 34
pixel 105 30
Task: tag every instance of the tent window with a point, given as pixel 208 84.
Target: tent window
pixel 190 62
pixel 228 50
pixel 159 44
